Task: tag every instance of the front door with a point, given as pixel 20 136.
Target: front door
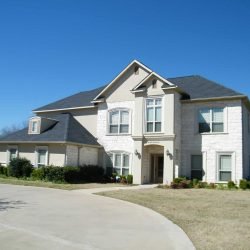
pixel 157 168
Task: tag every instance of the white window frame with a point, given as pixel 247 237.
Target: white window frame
pixel 31 122
pixel 211 119
pixel 233 165
pixel 119 121
pixel 112 154
pixel 8 152
pixel 145 116
pixel 36 155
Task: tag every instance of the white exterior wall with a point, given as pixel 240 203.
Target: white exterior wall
pixel 115 142
pixel 88 156
pixel 211 144
pixel 3 154
pixel 72 155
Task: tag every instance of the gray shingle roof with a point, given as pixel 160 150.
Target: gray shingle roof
pixel 199 87
pixel 66 129
pixel 80 99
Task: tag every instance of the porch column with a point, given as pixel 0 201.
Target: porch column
pixel 168 171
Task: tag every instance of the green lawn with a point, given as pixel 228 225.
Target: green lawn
pixel 213 219
pixel 15 181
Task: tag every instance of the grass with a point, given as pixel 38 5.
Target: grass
pixel 65 186
pixel 213 219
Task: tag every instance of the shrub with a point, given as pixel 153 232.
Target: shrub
pixel 221 186
pixel 91 173
pixel 201 184
pixel 20 167
pixel 130 179
pixel 179 179
pixel 3 170
pixel 38 174
pixel 243 184
pixel 174 185
pixel 211 185
pixel 71 174
pixel 195 182
pixel 231 184
pixel 54 174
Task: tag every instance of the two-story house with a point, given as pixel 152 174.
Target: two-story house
pixel 143 124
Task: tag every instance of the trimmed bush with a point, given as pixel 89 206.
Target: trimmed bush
pixel 211 185
pixel 3 170
pixel 231 184
pixel 243 184
pixel 179 179
pixel 38 174
pixel 130 179
pixel 72 174
pixel 91 173
pixel 54 174
pixel 20 167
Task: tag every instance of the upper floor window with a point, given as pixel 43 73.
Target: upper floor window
pixel 154 84
pixel 119 121
pixel 34 125
pixel 211 120
pixel 153 114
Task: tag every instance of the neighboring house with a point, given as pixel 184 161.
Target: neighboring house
pixel 152 127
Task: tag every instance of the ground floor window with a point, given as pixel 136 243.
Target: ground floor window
pixel 225 167
pixel 12 153
pixel 120 162
pixel 196 167
pixel 41 156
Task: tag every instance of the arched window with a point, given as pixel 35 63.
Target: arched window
pixel 118 121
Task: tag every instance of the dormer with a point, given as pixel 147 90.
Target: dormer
pixel 38 124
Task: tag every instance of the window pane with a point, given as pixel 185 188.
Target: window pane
pixel 158 114
pixel 218 115
pixel 196 174
pixel 150 127
pixel 34 126
pixel 204 127
pixel 124 129
pixel 113 129
pixel 196 162
pixel 114 117
pixel 225 176
pixel 150 102
pixel 109 160
pixel 218 127
pixel 117 160
pixel 42 156
pixel 125 171
pixel 225 162
pixel 125 160
pixel 150 114
pixel 13 153
pixel 158 101
pixel 124 117
pixel 204 116
pixel 158 127
pixel 117 170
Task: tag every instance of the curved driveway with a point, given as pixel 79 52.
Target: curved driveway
pixel 41 218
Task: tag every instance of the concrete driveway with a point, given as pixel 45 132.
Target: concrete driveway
pixel 40 218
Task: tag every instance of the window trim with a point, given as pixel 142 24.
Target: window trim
pixel 36 155
pixel 162 114
pixel 119 119
pixel 233 165
pixel 211 119
pixel 32 120
pixel 121 153
pixel 8 152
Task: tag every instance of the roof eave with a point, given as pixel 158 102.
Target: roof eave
pixel 236 97
pixel 54 110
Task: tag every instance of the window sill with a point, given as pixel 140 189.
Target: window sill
pixel 125 134
pixel 214 133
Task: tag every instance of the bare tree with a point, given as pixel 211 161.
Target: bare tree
pixel 11 129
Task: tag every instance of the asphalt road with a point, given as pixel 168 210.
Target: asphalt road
pixel 39 218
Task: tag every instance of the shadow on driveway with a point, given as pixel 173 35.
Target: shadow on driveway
pixel 7 204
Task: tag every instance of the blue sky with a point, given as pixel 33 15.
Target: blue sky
pixel 50 49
